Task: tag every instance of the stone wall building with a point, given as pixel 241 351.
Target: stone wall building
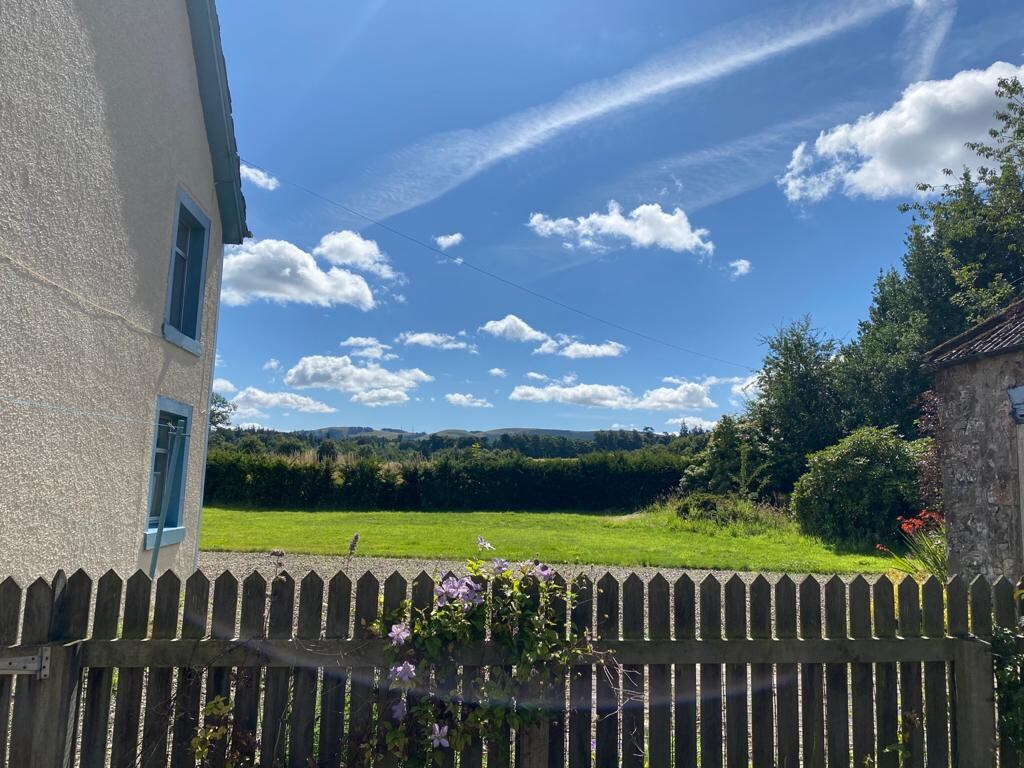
pixel 979 378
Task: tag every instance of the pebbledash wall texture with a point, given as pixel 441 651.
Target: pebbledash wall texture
pixel 980 445
pixel 104 127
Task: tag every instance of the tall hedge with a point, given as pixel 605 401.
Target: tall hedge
pixel 854 491
pixel 468 480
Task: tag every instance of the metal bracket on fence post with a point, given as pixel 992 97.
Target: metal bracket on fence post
pixel 975 717
pixel 37 664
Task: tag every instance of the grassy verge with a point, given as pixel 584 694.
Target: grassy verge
pixel 652 537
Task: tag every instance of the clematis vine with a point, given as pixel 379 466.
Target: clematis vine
pixel 439 737
pixel 403 673
pixel 399 634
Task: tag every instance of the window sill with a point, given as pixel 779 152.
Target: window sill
pixel 171 536
pixel 178 338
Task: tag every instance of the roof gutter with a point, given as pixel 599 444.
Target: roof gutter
pixel 211 74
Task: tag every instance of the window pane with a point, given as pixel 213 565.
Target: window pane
pixel 187 274
pixel 181 241
pixel 167 477
pixel 178 291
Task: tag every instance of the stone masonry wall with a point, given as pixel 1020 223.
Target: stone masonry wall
pixel 978 455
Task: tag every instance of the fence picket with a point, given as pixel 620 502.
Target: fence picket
pixel 1005 615
pixel 836 687
pixel 787 693
pixel 361 698
pixel 395 588
pixel 936 708
pixel 251 625
pixel 762 716
pixel 684 619
pixel 711 736
pixel 737 726
pixel 861 685
pixel 218 682
pixel 128 703
pixel 311 606
pixel 333 690
pixel 555 706
pixel 633 743
pixel 499 749
pixel 887 731
pixel 96 715
pixel 10 610
pixel 911 700
pixel 660 718
pixel 190 679
pixel 35 628
pixel 159 703
pixel 581 683
pixel 274 730
pixel 607 675
pixel 812 681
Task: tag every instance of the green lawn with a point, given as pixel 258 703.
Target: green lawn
pixel 651 537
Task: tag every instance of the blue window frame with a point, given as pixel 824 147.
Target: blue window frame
pixel 167 478
pixel 186 279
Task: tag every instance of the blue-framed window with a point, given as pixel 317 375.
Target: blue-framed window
pixel 186 280
pixel 169 471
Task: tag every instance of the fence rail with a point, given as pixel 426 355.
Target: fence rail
pixel 736 674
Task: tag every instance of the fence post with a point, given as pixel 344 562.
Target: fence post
pixel 974 685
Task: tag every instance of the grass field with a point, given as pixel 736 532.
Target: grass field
pixel 652 537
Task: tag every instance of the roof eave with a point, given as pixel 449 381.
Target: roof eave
pixel 211 74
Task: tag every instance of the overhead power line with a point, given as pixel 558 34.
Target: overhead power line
pixel 500 278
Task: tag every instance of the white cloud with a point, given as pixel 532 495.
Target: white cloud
pixel 744 389
pixel 252 402
pixel 739 268
pixel 276 270
pixel 536 376
pixel 258 178
pixel 369 384
pixel 428 169
pixel 645 226
pixel 498 373
pixel 349 249
pixel 273 364
pixel 889 153
pixel 368 347
pixel 693 422
pixel 223 387
pixel 576 350
pixel 688 395
pixel 444 242
pixel 513 328
pixel 926 28
pixel 467 401
pixel 433 340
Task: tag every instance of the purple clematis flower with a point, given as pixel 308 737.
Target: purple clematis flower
pixel 399 634
pixel 439 737
pixel 403 673
pixel 499 566
pixel 482 543
pixel 543 572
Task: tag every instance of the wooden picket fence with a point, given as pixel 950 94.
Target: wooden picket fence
pixel 767 674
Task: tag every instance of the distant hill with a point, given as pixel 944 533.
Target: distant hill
pixel 335 433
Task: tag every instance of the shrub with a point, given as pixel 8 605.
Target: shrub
pixel 728 509
pixel 854 491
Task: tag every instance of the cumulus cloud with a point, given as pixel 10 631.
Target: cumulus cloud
pixel 369 384
pixel 643 227
pixel 576 350
pixel 349 249
pixel 739 268
pixel 688 395
pixel 498 373
pixel 259 178
pixel 223 387
pixel 889 153
pixel 368 347
pixel 467 401
pixel 514 328
pixel 533 375
pixel 276 270
pixel 433 340
pixel 273 364
pixel 252 403
pixel 693 422
pixel 444 242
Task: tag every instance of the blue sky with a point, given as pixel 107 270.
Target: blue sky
pixel 694 173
